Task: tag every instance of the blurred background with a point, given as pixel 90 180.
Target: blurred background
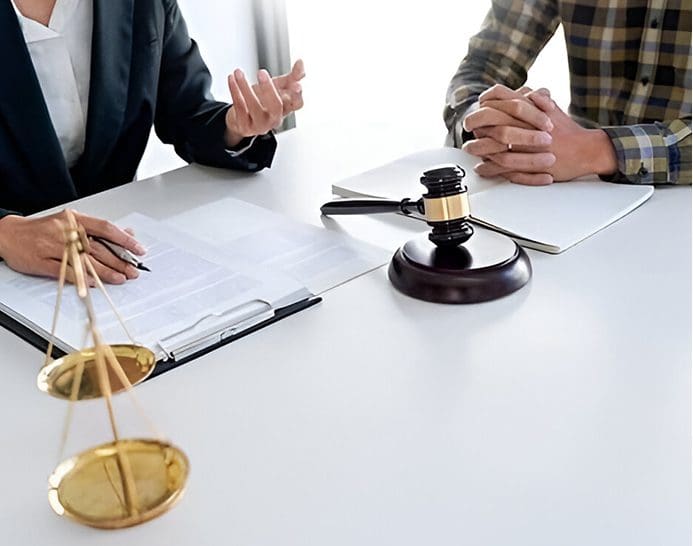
pixel 372 65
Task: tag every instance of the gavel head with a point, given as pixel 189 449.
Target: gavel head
pixel 446 205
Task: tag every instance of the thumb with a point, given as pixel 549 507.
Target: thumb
pixel 542 100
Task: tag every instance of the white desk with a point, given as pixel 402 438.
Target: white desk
pixel 557 416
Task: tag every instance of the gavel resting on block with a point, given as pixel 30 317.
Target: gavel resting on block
pixel 455 263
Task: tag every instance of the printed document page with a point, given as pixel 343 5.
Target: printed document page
pixel 192 289
pixel 317 258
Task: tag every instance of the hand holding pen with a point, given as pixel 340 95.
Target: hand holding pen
pixel 119 258
pixel 121 253
pixel 35 246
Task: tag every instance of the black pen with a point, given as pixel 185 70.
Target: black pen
pixel 122 253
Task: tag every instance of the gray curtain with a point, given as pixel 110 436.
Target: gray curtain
pixel 272 34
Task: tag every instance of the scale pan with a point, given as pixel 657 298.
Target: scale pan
pixel 88 488
pixel 56 377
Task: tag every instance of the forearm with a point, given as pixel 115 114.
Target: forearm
pixel 654 153
pixel 206 142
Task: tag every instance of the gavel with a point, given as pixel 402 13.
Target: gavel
pixel 455 263
pixel 445 206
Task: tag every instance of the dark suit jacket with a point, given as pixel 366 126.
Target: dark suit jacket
pixel 145 69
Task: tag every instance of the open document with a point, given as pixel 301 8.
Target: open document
pixel 217 271
pixel 317 258
pixel 193 297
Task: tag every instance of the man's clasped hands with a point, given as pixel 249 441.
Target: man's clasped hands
pixel 523 136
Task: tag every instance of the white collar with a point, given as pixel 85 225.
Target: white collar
pixel 34 31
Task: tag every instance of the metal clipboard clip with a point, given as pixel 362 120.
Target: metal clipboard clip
pixel 222 325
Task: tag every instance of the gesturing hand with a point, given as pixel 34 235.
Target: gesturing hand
pixel 260 108
pixel 35 246
pixel 289 88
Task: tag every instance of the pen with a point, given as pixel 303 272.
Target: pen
pixel 122 253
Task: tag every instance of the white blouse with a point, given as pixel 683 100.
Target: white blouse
pixel 61 54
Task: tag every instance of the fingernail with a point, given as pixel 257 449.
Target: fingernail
pixel 263 76
pixel 544 139
pixel 239 74
pixel 132 272
pixel 139 249
pixel 549 125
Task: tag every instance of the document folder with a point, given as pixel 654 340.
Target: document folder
pixel 193 300
pixel 183 354
pixel 213 283
pixel 234 334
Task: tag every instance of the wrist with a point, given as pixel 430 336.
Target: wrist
pixel 232 139
pixel 601 154
pixel 7 226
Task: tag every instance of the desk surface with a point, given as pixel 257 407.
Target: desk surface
pixel 558 415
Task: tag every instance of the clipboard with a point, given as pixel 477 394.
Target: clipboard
pixel 216 297
pixel 227 334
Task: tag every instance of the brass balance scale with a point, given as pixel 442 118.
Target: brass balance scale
pixel 127 481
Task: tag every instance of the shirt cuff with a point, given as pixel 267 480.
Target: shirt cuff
pixel 244 144
pixel 648 153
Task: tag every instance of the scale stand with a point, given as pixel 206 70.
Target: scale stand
pixel 124 482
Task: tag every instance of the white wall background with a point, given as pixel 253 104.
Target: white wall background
pixel 386 64
pixel 224 31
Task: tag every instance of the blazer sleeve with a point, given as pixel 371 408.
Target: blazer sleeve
pixel 187 115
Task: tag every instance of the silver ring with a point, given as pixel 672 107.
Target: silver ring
pixel 510 147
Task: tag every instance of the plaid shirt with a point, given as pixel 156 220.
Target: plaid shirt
pixel 630 74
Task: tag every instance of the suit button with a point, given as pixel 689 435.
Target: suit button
pixel 643 171
pixel 654 23
pixel 645 80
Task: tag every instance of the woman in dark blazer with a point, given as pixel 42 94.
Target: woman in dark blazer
pixel 145 70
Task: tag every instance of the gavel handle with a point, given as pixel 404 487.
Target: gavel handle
pixel 370 206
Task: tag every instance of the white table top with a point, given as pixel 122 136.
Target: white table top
pixel 558 415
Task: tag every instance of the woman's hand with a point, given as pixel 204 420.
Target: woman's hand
pixel 260 108
pixel 35 246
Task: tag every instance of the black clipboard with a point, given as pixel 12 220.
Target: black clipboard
pixel 163 366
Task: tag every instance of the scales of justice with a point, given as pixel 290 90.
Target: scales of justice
pixel 124 482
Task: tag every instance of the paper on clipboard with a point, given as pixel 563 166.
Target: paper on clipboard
pixel 189 283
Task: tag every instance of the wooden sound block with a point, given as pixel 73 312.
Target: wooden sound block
pixel 487 266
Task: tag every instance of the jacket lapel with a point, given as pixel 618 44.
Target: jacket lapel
pixel 110 77
pixel 24 108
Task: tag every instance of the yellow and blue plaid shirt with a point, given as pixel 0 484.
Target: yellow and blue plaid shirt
pixel 630 74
